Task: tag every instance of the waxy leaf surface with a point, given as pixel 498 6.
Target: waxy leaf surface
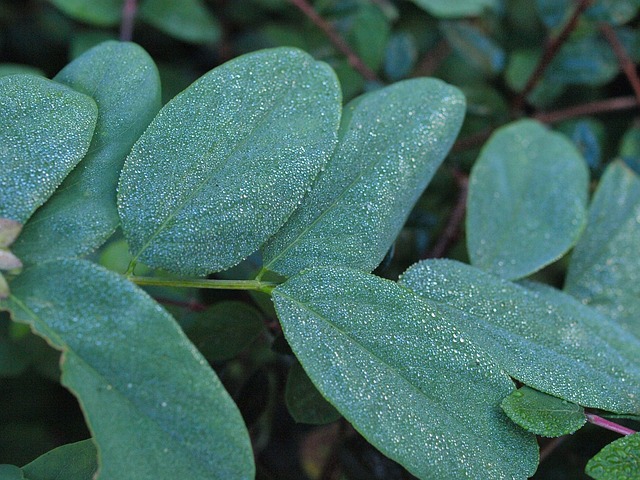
pixel 604 271
pixel 82 214
pixel 538 335
pixel 409 381
pixel 527 200
pixel 46 130
pixel 153 404
pixel 223 165
pixel 543 414
pixel 75 461
pixel 391 143
pixel 620 460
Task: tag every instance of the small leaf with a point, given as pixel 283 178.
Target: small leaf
pixel 392 141
pixel 604 271
pixel 46 131
pixel 225 329
pixel 400 56
pixel 543 414
pixel 103 13
pixel 188 20
pixel 9 231
pixel 538 335
pixel 225 163
pixel 8 261
pixel 304 402
pixel 459 8
pixel 406 379
pixel 82 214
pixel 474 46
pixel 527 200
pixel 137 377
pixel 620 460
pixel 75 461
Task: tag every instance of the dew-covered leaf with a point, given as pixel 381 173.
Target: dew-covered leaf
pixel 188 20
pixel 538 335
pixel 527 200
pixel 82 214
pixel 46 130
pixel 620 460
pixel 304 402
pixel 604 271
pixel 225 329
pixel 223 165
pixel 74 461
pixel 154 406
pixel 458 8
pixel 408 381
pixel 103 13
pixel 543 414
pixel 392 141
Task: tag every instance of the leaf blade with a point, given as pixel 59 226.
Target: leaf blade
pixel 266 122
pixel 620 460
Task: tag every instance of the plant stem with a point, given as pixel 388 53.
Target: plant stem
pixel 608 424
pixel 550 52
pixel 256 285
pixel 129 10
pixel 627 65
pixel 334 37
pixel 599 106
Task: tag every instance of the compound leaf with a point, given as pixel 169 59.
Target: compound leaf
pixel 82 214
pixel 620 460
pixel 543 414
pixel 527 200
pixel 409 381
pixel 604 271
pixel 46 131
pixel 392 141
pixel 223 165
pixel 538 335
pixel 154 406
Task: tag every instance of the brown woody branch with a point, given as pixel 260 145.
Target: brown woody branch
pixel 627 65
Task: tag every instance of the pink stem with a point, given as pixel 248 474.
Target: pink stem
pixel 608 424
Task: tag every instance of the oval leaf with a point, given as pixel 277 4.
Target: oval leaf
pixel 137 377
pixel 392 141
pixel 304 402
pixel 620 460
pixel 75 461
pixel 459 8
pixel 414 387
pixel 188 20
pixel 104 13
pixel 225 163
pixel 527 200
pixel 544 338
pixel 82 214
pixel 46 130
pixel 604 271
pixel 543 414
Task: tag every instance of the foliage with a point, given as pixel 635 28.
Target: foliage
pixel 218 241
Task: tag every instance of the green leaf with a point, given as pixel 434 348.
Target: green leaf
pixel 474 46
pixel 520 67
pixel 527 200
pixel 459 8
pixel 392 141
pixel 10 472
pixel 543 414
pixel 555 12
pixel 46 131
pixel 82 214
pixel 400 56
pixel 225 163
pixel 406 379
pixel 75 461
pixel 369 35
pixel 620 460
pixel 538 335
pixel 188 20
pixel 604 271
pixel 304 402
pixel 103 13
pixel 153 405
pixel 225 329
pixel 16 68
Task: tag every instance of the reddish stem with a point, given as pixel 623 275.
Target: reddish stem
pixel 432 59
pixel 627 65
pixel 192 305
pixel 354 60
pixel 608 424
pixel 129 10
pixel 600 106
pixel 550 51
